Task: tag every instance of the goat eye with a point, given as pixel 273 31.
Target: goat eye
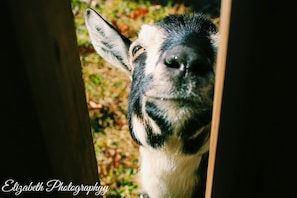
pixel 137 50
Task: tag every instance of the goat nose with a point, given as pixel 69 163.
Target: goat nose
pixel 181 60
pixel 176 61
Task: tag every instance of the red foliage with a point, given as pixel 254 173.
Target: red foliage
pixel 138 12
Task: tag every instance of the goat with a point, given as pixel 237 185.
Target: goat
pixel 172 69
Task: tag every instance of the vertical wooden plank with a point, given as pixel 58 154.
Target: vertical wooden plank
pixel 256 147
pixel 218 93
pixel 45 132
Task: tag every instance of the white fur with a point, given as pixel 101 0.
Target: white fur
pixel 111 37
pixel 168 173
pixel 215 38
pixel 139 130
pixel 151 38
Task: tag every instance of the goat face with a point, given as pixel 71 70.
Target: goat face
pixel 171 65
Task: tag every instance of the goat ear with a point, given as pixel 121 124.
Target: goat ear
pixel 107 41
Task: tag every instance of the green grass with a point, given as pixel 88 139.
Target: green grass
pixel 107 90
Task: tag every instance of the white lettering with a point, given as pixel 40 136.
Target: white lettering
pixel 6 187
pixel 53 184
pixel 12 186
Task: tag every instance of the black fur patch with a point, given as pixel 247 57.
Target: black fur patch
pixel 192 146
pixel 154 140
pixel 199 191
pixel 157 140
pixel 198 120
pixel 135 96
pixel 183 23
pixel 99 29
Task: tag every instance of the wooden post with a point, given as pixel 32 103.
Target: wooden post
pixel 218 94
pixel 45 131
pixel 255 154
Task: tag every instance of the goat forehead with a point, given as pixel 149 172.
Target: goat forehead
pixel 183 23
pixel 177 29
pixel 151 36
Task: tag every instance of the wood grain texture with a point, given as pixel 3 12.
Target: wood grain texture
pixel 46 118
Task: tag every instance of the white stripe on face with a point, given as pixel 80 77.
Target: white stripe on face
pixel 151 37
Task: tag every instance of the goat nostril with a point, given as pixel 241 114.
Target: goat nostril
pixel 173 62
